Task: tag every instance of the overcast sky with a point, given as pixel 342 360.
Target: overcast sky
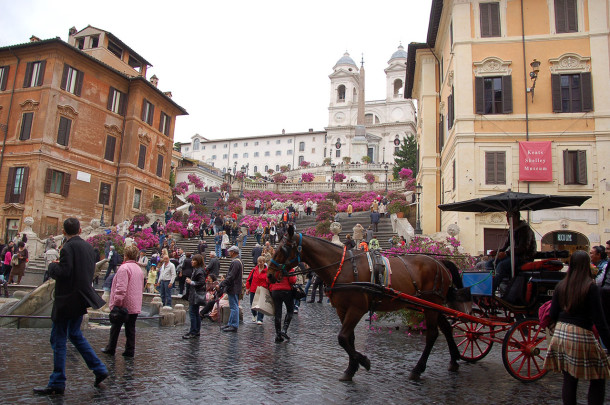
pixel 239 68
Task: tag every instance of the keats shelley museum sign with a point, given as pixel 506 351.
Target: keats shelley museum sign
pixel 535 161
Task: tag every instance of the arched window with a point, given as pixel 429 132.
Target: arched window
pixel 277 168
pixel 341 93
pixel 370 119
pixel 397 87
pixel 255 169
pixel 196 143
pixel 266 168
pixel 301 146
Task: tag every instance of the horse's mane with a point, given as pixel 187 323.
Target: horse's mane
pixel 322 240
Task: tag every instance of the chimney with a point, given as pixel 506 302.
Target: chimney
pixel 72 31
pixel 283 131
pixel 34 38
pixel 310 129
pixel 168 93
pixel 154 80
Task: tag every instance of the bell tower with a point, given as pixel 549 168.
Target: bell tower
pixel 395 74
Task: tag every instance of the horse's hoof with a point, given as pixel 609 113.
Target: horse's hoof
pixel 453 367
pixel 414 376
pixel 345 377
pixel 366 363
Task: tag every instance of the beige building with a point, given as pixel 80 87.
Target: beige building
pixel 514 98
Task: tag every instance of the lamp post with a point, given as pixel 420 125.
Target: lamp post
pixel 243 176
pixel 333 167
pixel 383 158
pixel 104 202
pixel 385 167
pixel 234 167
pixel 418 190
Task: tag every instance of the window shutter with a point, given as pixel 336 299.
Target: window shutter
pixel 142 116
pixel 484 9
pixel 494 19
pixel 47 180
pixel 507 94
pixel 64 77
pixel 479 95
pixel 24 184
pixel 66 186
pixel 567 168
pixel 79 83
pixel 110 143
pixel 582 167
pixel 587 91
pixel 571 22
pixel 122 103
pixel 142 157
pixel 454 174
pixel 26 126
pixel 4 78
pixel 61 132
pixel 151 114
pixel 441 134
pixel 161 123
pixel 10 183
pixel 560 16
pixel 110 97
pixel 43 64
pixel 28 75
pixel 160 165
pixel 500 167
pixel 489 168
pixel 556 92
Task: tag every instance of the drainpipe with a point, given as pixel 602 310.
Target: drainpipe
pixel 118 166
pixel 10 106
pixel 527 127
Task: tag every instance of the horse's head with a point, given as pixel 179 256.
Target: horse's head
pixel 287 254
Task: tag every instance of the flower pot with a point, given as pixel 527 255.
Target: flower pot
pixel 400 215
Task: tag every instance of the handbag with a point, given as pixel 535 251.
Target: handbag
pixel 118 315
pixel 199 298
pixel 15 260
pixel 263 302
pixel 297 292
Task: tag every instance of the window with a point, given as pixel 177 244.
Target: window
pixel 80 43
pixel 397 88
pixel 142 157
pixel 572 93
pixel 63 132
pixel 225 156
pixel 134 63
pixel 441 133
pixel 278 141
pixel 268 142
pixel 301 159
pixel 278 153
pixel 267 153
pixel 289 152
pixel 104 196
pixel 235 145
pixel 313 150
pixel 213 157
pixel 256 143
pixel 213 146
pixel 57 182
pixel 186 149
pixel 148 111
pixel 196 144
pixel 245 143
pixel 3 77
pixel 277 168
pixel 301 146
pixel 370 119
pixel 115 49
pixel 495 167
pixel 255 155
pixel 110 145
pixel 137 198
pixel 313 139
pixel 235 156
pixel 289 141
pixel 451 109
pixel 160 165
pixel 324 152
pixel 26 126
pixel 266 168
pixel 566 16
pixel 341 94
pixel 34 73
pixel 95 40
pixel 17 185
pixel 116 101
pixel 494 95
pixel 164 123
pixel 72 80
pixel 255 169
pixel 338 153
pixel 245 155
pixel 574 167
pixel 226 145
pixel 490 19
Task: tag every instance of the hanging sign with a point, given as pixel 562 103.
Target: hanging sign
pixel 535 161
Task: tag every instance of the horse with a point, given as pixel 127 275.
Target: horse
pixel 417 275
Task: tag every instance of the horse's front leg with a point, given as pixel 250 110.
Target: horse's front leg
pixel 346 339
pixel 431 335
pixel 447 330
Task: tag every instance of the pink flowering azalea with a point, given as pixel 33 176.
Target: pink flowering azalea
pixel 304 164
pixel 181 188
pixel 193 199
pixel 279 178
pixel 196 181
pixel 339 177
pixel 370 178
pixel 405 173
pixel 307 177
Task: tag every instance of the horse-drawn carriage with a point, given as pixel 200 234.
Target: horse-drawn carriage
pixel 424 283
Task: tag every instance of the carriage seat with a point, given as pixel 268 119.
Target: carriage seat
pixel 547 264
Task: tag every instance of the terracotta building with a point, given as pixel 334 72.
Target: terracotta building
pixel 513 95
pixel 82 131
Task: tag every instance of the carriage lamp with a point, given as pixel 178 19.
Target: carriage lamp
pixel 333 167
pixel 386 167
pixel 534 76
pixel 418 191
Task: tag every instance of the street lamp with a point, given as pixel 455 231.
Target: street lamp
pixel 418 191
pixel 105 193
pixel 243 177
pixel 333 167
pixel 235 167
pixel 385 167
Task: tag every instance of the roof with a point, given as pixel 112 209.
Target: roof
pixel 60 42
pixel 399 54
pixel 413 47
pixel 435 17
pixel 287 135
pixel 345 60
pixel 114 38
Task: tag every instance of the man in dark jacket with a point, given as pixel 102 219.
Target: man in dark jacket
pixel 375 220
pixel 73 295
pixel 213 266
pixel 257 250
pixel 232 286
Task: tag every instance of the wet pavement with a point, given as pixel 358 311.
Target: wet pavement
pixel 249 368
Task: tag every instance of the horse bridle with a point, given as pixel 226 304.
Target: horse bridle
pixel 291 244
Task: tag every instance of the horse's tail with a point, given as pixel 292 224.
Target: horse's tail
pixel 455 273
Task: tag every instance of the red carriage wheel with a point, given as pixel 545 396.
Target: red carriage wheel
pixel 524 349
pixel 474 340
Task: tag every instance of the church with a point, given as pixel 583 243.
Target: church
pixel 356 128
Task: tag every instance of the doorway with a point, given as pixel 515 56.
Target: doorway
pixel 493 238
pixel 12 228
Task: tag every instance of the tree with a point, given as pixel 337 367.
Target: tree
pixel 406 156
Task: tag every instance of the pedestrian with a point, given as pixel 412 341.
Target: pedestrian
pixel 126 292
pixel 7 255
pixel 257 206
pixel 358 233
pixel 231 285
pixel 350 209
pixel 197 287
pixel 167 276
pixel 374 244
pixel 281 292
pixel 318 284
pixel 257 251
pixel 256 278
pixel 213 266
pixel 574 350
pixel 218 243
pixel 152 278
pixel 375 220
pixel 18 269
pixel 113 260
pixel 224 244
pixel 73 295
pixel 50 256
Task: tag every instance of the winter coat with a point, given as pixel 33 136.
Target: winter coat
pixel 257 278
pixel 127 287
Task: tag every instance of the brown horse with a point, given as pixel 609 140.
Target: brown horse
pixel 416 275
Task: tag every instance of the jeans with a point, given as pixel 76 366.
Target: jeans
pixel 195 319
pixel 166 293
pixel 259 315
pixel 258 238
pixel 245 239
pixel 218 251
pixel 234 306
pixel 70 329
pixel 307 285
pixel 130 335
pixel 503 270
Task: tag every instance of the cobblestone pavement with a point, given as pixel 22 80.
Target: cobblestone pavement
pixel 249 368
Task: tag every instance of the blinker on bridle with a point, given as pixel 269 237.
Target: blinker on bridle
pixel 296 259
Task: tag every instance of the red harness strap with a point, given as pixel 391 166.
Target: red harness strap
pixel 338 271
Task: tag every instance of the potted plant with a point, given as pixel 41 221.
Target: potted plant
pixel 366 159
pixel 347 159
pixel 398 207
